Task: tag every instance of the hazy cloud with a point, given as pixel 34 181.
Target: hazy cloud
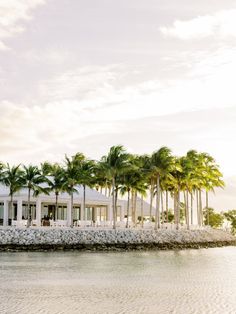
pixel 221 24
pixel 12 14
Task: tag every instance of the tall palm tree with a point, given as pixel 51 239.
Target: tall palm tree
pixel 86 176
pixel 100 179
pixel 33 181
pixel 12 178
pixel 115 164
pixel 177 182
pixel 161 162
pixel 130 181
pixel 54 174
pixel 212 177
pixel 193 175
pixel 71 180
pixel 188 179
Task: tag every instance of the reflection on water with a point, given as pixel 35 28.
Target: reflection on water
pixel 190 281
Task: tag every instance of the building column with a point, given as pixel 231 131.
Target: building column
pixel 82 211
pixel 109 212
pixel 19 210
pixel 95 213
pixel 5 215
pixel 38 212
pixel 68 213
pixel 122 213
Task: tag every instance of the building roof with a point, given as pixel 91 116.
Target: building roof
pixel 146 207
pixel 91 194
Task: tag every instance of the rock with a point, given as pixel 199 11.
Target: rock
pixel 107 239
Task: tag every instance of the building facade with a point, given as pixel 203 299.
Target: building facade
pixel 98 207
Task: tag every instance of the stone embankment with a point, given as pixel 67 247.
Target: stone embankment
pixel 14 239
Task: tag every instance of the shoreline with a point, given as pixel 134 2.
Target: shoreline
pixel 64 239
pixel 114 248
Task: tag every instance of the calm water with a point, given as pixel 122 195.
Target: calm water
pixel 190 281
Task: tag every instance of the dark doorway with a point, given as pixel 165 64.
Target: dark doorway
pixel 52 212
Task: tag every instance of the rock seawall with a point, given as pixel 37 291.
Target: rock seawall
pixel 106 239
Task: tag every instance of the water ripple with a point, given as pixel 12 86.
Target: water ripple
pixel 172 282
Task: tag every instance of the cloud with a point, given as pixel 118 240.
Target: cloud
pixel 116 92
pixel 222 24
pixel 13 13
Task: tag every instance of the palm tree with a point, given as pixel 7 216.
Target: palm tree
pixel 54 174
pixel 32 181
pixel 130 182
pixel 177 182
pixel 86 176
pixel 71 179
pixel 12 178
pixel 188 179
pixel 193 174
pixel 212 177
pixel 161 162
pixel 115 164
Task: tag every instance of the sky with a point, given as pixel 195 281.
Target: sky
pixel 83 75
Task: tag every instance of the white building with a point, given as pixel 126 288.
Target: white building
pixel 98 207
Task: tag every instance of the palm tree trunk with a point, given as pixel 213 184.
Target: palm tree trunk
pixel 157 216
pixel 185 206
pixel 135 208
pixel 197 199
pixel 56 214
pixel 151 201
pixel 84 199
pixel 167 205
pixel 188 224
pixel 127 222
pixel 191 208
pixel 162 209
pixel 28 210
pixel 200 208
pixel 72 209
pixel 186 197
pixel 178 208
pixel 11 205
pixel 116 197
pixel 113 203
pixel 142 211
pixel 207 208
pixel 132 205
pixel 175 208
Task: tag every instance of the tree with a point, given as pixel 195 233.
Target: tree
pixel 85 169
pixel 168 215
pixel 231 217
pixel 177 185
pixel 54 179
pixel 71 179
pixel 161 162
pixel 133 181
pixel 12 178
pixel 209 178
pixel 33 181
pixel 115 164
pixel 211 218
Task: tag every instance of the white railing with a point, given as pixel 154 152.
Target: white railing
pixel 19 223
pixel 58 223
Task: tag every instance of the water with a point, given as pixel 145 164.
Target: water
pixel 189 281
